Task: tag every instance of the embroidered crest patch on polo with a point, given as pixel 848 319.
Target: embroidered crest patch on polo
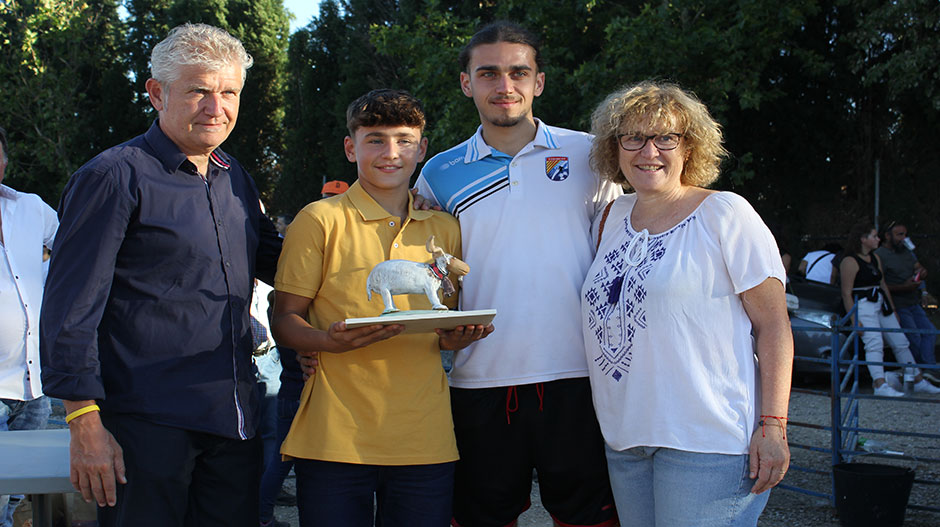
pixel 556 168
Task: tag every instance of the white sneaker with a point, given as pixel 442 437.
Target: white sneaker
pixel 925 387
pixel 885 390
pixel 894 380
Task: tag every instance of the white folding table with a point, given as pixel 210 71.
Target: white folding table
pixel 35 462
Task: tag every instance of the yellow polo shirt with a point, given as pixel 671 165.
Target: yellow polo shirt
pixel 387 403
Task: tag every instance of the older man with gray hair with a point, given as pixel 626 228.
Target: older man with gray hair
pixel 145 321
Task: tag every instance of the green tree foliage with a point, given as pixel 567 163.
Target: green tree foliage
pixel 64 89
pixel 258 140
pixel 895 61
pixel 147 23
pixel 72 77
pixel 330 63
pixel 811 93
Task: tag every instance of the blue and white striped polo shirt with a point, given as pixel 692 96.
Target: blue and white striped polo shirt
pixel 525 223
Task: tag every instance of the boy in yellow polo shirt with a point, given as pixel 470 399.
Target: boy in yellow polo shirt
pixel 374 420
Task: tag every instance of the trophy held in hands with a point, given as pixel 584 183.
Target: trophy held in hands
pixel 404 277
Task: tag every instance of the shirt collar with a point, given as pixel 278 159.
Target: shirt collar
pixel 8 193
pixel 478 149
pixel 170 155
pixel 370 210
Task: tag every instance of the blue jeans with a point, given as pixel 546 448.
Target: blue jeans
pixel 267 428
pixel 922 345
pixel 276 470
pixel 667 487
pixel 20 415
pixel 269 371
pixel 341 494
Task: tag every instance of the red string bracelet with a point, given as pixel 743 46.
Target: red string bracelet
pixel 783 426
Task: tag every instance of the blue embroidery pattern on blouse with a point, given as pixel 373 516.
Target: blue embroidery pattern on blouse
pixel 616 301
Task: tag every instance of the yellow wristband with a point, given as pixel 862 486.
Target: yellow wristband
pixel 81 411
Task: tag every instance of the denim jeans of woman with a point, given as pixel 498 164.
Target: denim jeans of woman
pixel 666 487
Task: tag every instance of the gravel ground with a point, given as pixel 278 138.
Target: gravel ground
pixel 793 509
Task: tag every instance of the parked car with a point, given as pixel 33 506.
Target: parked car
pixel 814 308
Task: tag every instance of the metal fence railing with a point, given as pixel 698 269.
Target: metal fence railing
pixel 844 397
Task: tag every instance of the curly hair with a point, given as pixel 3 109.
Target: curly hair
pixel 197 44
pixel 385 107
pixel 663 107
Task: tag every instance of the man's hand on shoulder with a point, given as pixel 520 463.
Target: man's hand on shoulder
pixel 423 203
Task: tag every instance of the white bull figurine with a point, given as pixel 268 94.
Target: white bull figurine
pixel 401 277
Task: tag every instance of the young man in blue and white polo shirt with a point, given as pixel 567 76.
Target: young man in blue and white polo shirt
pixel 526 198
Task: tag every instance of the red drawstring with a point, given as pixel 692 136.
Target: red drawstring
pixel 511 393
pixel 512 399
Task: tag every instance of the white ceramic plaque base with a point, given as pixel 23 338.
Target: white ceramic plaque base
pixel 427 321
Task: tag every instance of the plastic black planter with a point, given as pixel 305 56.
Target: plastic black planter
pixel 871 494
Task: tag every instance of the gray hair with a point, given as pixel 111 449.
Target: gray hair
pixel 197 44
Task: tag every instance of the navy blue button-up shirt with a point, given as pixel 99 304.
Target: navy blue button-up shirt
pixel 146 304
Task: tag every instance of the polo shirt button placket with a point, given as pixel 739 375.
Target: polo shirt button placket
pixel 515 187
pixel 515 180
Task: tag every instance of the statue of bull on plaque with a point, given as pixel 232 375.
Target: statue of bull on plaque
pixel 402 277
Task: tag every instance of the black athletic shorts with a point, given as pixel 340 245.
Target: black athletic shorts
pixel 503 433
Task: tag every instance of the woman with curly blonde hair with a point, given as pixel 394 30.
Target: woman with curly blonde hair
pixel 683 276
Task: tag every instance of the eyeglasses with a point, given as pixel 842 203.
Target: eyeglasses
pixel 634 142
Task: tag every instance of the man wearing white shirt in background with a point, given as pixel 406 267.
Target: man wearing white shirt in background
pixel 818 265
pixel 27 225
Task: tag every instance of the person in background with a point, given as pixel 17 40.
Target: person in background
pixel 820 266
pixel 905 276
pixel 333 188
pixel 281 221
pixel 145 323
pixel 267 361
pixel 683 301
pixel 287 389
pixel 523 192
pixel 288 400
pixel 27 228
pixel 863 285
